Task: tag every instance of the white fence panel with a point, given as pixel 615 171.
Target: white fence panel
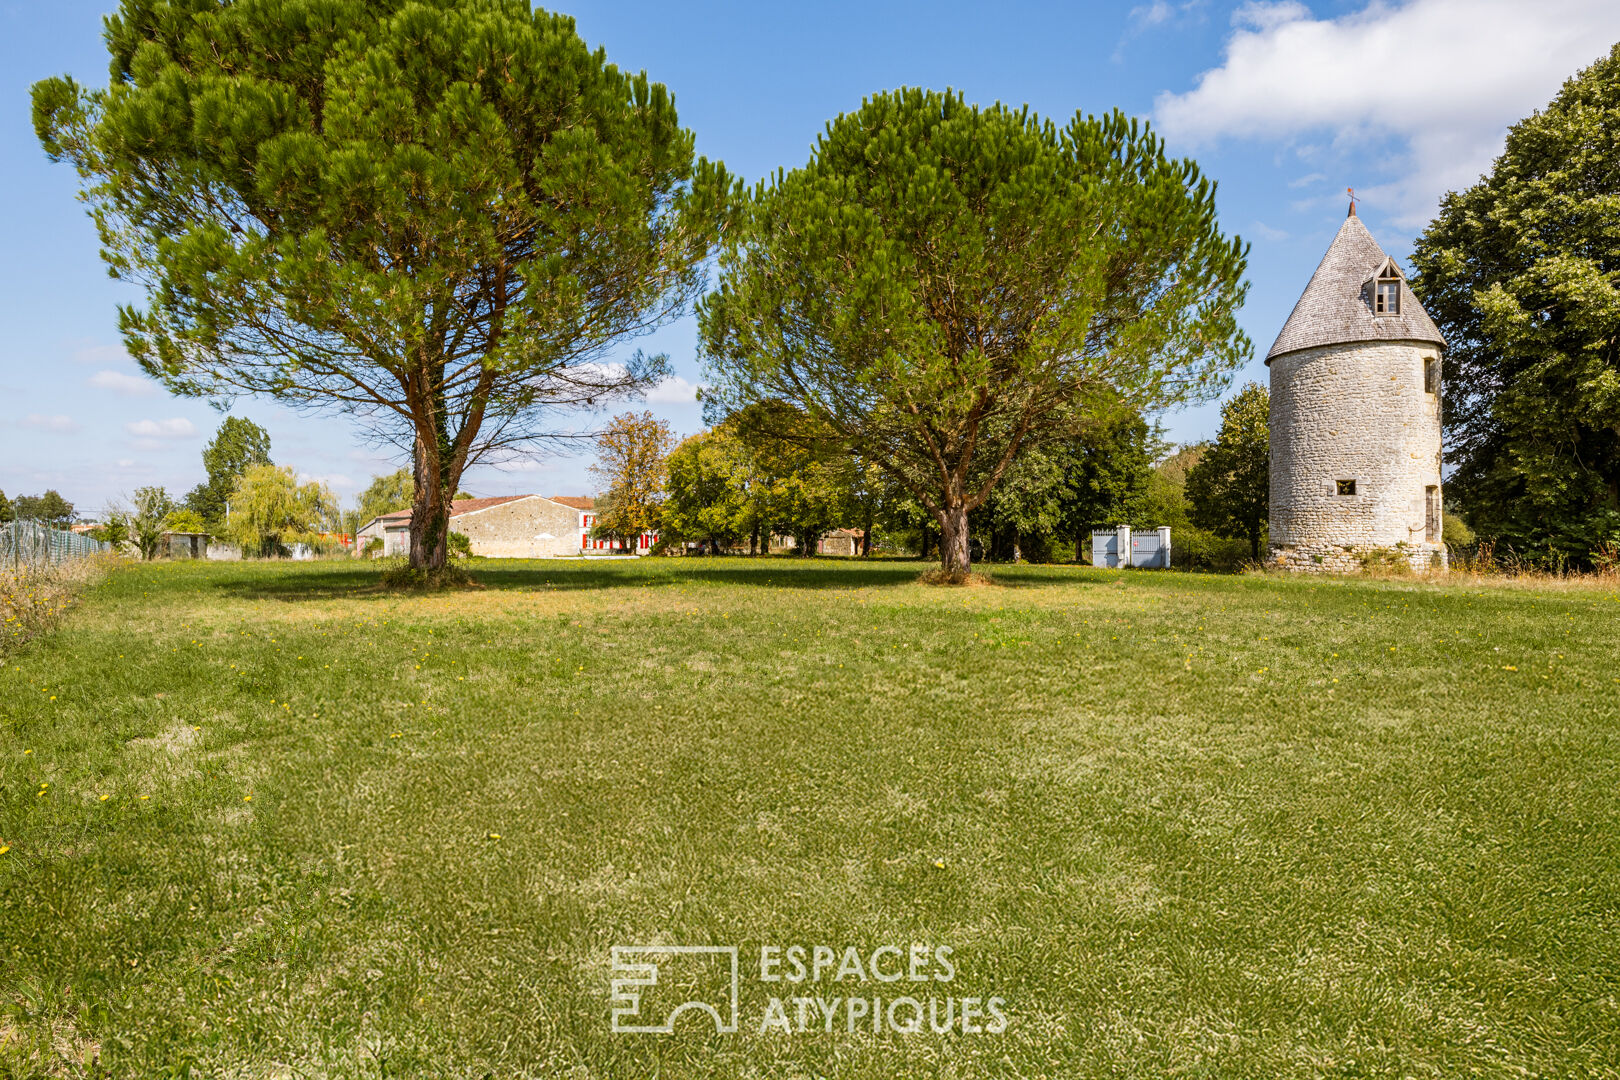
pixel 1123 547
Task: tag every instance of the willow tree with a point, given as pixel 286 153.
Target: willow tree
pixel 943 286
pixel 439 216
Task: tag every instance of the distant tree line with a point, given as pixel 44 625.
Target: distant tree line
pixel 738 488
pixel 47 509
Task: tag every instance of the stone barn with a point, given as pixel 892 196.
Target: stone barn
pixel 1355 417
pixel 504 526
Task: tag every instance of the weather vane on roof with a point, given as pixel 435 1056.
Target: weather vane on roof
pixel 1352 193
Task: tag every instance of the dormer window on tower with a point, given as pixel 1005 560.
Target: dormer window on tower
pixel 1387 290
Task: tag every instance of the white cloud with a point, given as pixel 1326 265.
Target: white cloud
pixel 1155 15
pixel 1444 78
pixel 99 355
pixel 58 424
pixel 1266 232
pixel 1262 15
pixel 335 481
pixel 122 383
pixel 177 428
pixel 1152 14
pixel 673 391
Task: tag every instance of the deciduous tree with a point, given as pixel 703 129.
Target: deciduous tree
pixel 709 493
pixel 148 519
pixel 1229 490
pixel 114 529
pixel 802 491
pixel 943 286
pixel 1165 502
pixel 438 216
pixel 1522 274
pixel 185 520
pixel 236 444
pixel 48 509
pixel 630 468
pixel 1062 490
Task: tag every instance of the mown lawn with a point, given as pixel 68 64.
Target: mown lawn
pixel 265 822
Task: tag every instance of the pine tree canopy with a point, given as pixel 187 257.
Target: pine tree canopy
pixel 944 285
pixel 436 215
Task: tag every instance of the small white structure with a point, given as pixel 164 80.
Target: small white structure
pixel 1355 417
pixel 1121 547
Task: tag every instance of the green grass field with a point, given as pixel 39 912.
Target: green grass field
pixel 265 821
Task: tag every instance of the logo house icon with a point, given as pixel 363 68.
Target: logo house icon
pixel 650 975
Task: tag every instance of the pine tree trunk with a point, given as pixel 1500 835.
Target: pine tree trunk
pixel 953 540
pixel 430 511
pixel 430 533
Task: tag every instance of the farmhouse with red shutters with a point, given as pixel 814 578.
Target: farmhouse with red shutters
pixel 510 527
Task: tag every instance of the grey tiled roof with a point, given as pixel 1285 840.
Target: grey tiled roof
pixel 1335 309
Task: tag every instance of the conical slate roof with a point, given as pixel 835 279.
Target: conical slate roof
pixel 1337 306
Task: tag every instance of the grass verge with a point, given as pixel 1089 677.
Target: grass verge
pixel 34 599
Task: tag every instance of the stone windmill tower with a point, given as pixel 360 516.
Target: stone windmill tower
pixel 1355 416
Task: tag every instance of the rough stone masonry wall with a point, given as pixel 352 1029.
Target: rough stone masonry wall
pixel 1353 412
pixel 518 530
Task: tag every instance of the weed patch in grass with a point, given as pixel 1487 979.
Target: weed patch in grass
pixel 959 578
pixel 406 578
pixel 34 598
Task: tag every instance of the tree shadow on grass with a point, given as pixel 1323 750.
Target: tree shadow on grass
pixel 345 581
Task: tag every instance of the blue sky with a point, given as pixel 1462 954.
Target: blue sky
pixel 1284 103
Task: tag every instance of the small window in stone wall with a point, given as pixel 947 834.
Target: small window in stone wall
pixel 1431 375
pixel 1346 487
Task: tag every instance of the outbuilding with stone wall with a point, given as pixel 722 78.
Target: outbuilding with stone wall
pixel 502 526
